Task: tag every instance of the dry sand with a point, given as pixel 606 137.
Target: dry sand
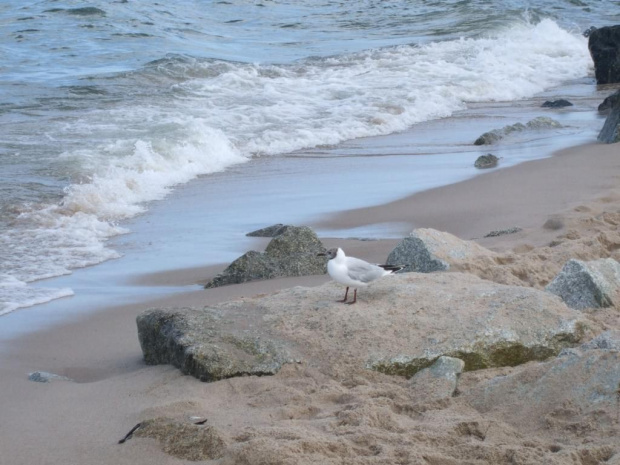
pixel 301 415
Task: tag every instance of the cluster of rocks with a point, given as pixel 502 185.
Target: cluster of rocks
pixel 292 252
pixel 493 325
pixel 491 137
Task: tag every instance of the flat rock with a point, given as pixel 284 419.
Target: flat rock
pixel 593 284
pixel 400 325
pixel 439 380
pixel 428 250
pixel 293 252
pixel 604 46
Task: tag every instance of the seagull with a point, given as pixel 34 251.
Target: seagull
pixel 353 272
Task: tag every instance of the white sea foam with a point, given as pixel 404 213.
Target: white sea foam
pixel 16 294
pixel 217 114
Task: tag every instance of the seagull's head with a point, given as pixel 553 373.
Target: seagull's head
pixel 331 253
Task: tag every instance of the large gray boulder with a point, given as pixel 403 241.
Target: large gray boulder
pixel 604 45
pixel 591 284
pixel 576 393
pixel 428 250
pixel 399 326
pixel 293 252
pixel 491 137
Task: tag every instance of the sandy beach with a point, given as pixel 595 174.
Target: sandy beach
pixel 111 389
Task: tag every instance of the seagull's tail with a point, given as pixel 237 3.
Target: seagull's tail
pixel 392 268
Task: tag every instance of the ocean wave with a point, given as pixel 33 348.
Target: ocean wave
pixel 181 117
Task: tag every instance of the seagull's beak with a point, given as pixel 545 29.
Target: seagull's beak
pixel 321 254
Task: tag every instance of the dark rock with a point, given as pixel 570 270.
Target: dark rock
pixel 491 137
pixel 486 161
pixel 557 103
pixel 203 343
pixel 270 231
pixel 610 134
pixel 292 253
pixel 611 102
pixel 503 232
pixel 591 284
pixel 604 45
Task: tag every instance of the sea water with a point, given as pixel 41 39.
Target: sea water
pixel 107 108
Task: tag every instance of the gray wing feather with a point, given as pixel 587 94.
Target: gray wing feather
pixel 363 271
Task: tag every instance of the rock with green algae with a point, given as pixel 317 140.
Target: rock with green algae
pixel 292 252
pixel 184 440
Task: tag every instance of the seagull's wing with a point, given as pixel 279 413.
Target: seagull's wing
pixel 359 270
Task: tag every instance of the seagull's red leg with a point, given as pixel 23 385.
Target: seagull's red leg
pixel 345 295
pixel 354 297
